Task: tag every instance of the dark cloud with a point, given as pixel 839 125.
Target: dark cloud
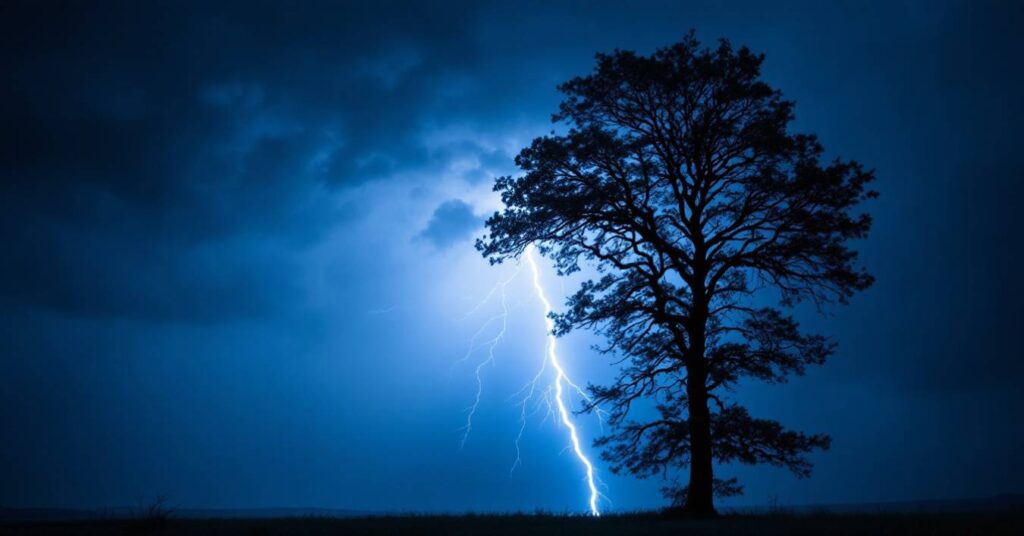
pixel 452 222
pixel 160 133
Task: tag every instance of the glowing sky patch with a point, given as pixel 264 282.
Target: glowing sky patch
pixel 555 391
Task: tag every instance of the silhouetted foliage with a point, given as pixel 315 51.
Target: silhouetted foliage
pixel 680 181
pixel 153 517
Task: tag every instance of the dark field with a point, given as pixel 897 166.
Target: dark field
pixel 543 525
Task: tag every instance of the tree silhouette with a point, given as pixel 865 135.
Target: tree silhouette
pixel 678 178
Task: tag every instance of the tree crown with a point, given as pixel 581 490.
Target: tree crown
pixel 679 179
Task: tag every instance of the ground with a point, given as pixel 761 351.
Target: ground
pixel 543 525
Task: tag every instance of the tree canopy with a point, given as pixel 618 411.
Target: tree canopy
pixel 678 178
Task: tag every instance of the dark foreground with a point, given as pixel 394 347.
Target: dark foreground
pixel 544 525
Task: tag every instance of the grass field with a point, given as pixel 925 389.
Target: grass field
pixel 546 525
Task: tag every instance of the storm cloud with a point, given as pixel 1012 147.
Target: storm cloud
pixel 451 222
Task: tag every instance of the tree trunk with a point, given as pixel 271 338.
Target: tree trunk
pixel 700 500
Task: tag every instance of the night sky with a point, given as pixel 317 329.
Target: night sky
pixel 238 271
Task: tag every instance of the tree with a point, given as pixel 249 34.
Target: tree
pixel 679 180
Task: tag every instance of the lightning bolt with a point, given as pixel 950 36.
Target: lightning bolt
pixel 489 344
pixel 553 395
pixel 562 379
